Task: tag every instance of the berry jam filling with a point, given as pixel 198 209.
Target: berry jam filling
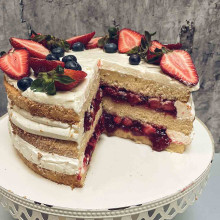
pixel 92 144
pixel 156 134
pixel 89 117
pixel 123 95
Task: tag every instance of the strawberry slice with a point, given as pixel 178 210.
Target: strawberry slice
pixel 154 44
pixel 128 39
pixel 177 46
pixel 82 38
pixel 179 65
pixel 15 64
pixel 35 49
pixel 42 65
pixel 78 76
pixel 93 43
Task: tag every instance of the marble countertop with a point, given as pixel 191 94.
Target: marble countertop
pixel 207 206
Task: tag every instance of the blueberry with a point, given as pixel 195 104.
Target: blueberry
pixel 72 65
pixel 78 46
pixel 69 58
pixel 51 57
pixel 58 52
pixel 24 83
pixel 110 48
pixel 134 59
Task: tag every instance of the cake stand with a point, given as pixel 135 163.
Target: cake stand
pixel 126 181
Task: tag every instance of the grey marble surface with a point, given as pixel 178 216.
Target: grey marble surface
pixel 66 18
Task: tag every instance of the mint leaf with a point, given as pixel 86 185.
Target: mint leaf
pixel 37 85
pixel 50 88
pixel 63 79
pixel 59 69
pixel 134 50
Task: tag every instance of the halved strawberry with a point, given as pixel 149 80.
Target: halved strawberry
pixel 155 44
pixel 173 46
pixel 15 64
pixel 93 43
pixel 128 39
pixel 156 59
pixel 82 38
pixel 35 49
pixel 42 65
pixel 78 76
pixel 179 65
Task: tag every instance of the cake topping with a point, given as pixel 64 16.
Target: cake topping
pixel 110 48
pixel 134 59
pixel 34 48
pixel 72 65
pixel 128 39
pixel 77 77
pixel 24 83
pixel 42 65
pixel 58 52
pixel 58 79
pixel 93 43
pixel 179 65
pixel 82 38
pixel 69 58
pixel 51 57
pixel 50 41
pixel 78 46
pixel 15 63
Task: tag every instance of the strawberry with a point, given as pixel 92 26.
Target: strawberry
pixel 35 49
pixel 127 122
pixel 42 65
pixel 117 120
pixel 179 65
pixel 173 46
pixel 154 44
pixel 82 38
pixel 15 64
pixel 128 39
pixel 43 42
pixel 78 76
pixel 93 43
pixel 148 129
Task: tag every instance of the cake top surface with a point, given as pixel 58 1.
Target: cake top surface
pixel 171 67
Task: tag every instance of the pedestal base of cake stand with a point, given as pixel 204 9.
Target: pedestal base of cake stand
pixel 126 180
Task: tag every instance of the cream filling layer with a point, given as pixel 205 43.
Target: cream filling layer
pixel 34 125
pixel 179 137
pixel 185 110
pixel 53 162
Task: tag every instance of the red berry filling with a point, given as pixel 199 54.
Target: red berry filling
pixel 122 95
pixel 156 134
pixel 94 107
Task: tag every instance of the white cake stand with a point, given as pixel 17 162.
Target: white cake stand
pixel 125 181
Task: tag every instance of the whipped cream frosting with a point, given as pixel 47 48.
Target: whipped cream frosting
pixel 179 138
pixel 185 110
pixel 53 162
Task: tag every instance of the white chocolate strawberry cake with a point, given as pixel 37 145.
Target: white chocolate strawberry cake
pixel 63 94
